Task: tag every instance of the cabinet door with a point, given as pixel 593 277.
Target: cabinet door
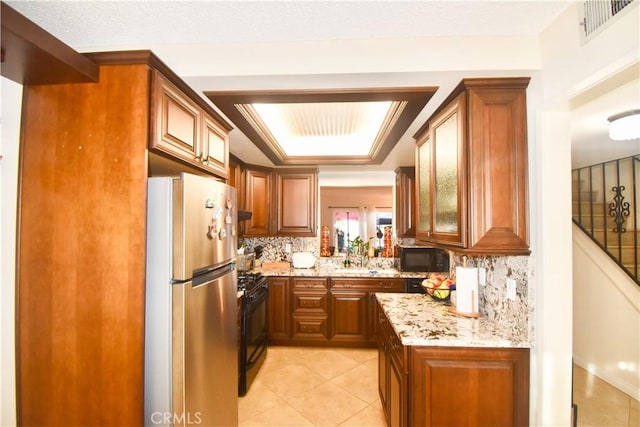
pixel 448 199
pixel 423 189
pixel 397 411
pixel 278 312
pixel 405 215
pixel 296 202
pixel 349 316
pixel 498 171
pixel 384 362
pixel 214 152
pixel 258 202
pixel 237 180
pixel 177 121
pixel 469 386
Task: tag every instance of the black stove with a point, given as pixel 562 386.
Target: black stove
pixel 248 281
pixel 253 330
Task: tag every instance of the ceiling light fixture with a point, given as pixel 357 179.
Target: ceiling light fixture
pixel 625 126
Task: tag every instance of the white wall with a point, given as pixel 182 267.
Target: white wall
pixel 11 95
pixel 606 317
pixel 568 68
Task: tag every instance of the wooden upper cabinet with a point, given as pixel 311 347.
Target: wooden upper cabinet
pixel 423 188
pixel 405 214
pixel 471 161
pixel 258 201
pixel 296 202
pixel 447 174
pixel 498 168
pixel 236 179
pixel 215 147
pixel 183 130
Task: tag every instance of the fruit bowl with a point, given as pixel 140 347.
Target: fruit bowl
pixel 439 287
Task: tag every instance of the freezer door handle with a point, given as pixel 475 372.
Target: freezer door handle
pixel 212 275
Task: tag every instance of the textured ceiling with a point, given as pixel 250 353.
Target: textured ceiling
pixel 86 24
pixel 172 28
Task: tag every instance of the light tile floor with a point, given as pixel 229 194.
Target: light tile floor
pixel 600 404
pixel 314 387
pixel 299 386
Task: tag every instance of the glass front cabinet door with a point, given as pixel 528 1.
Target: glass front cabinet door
pixel 441 178
pixel 423 188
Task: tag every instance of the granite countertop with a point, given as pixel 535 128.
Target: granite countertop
pixel 420 321
pixel 341 272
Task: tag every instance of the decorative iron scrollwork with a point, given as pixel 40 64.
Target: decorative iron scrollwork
pixel 619 209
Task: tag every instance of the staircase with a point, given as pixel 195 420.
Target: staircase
pixel 606 206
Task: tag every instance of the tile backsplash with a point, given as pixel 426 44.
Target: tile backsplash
pixel 493 302
pixel 274 248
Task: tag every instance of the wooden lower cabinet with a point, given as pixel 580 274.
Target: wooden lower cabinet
pixel 349 315
pixel 469 386
pixel 310 309
pixel 451 386
pixel 278 309
pixel 325 311
pixel 392 376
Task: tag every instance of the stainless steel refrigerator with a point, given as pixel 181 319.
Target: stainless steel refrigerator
pixel 191 372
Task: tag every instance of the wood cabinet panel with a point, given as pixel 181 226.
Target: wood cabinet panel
pixel 278 311
pixel 310 328
pixel 309 302
pixel 80 260
pixel 258 202
pixel 498 170
pixel 349 315
pixel 177 122
pixel 405 214
pixel 392 380
pixel 215 147
pixel 307 283
pixel 370 285
pixel 354 298
pixel 296 202
pixel 491 386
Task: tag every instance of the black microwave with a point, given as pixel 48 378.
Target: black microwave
pixel 420 258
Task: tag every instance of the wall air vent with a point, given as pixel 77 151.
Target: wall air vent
pixel 599 12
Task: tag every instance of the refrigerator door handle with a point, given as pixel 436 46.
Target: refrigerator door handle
pixel 212 275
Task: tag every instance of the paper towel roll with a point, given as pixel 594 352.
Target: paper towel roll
pixel 467 289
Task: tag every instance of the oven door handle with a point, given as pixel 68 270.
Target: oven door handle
pixel 252 360
pixel 255 300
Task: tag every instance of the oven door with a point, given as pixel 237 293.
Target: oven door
pixel 256 328
pixel 253 349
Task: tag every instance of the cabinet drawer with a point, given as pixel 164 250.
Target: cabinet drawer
pixel 309 327
pixel 308 302
pixel 370 285
pixel 310 284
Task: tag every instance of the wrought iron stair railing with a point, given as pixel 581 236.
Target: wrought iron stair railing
pixel 605 206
